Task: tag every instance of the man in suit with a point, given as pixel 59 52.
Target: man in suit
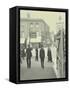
pixel 49 54
pixel 42 56
pixel 29 55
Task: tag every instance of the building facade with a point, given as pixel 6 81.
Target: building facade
pixel 34 32
pixel 60 60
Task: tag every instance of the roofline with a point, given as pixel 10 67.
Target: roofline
pixel 41 20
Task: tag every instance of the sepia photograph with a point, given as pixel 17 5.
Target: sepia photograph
pixel 42 45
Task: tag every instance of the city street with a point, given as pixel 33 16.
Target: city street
pixel 36 72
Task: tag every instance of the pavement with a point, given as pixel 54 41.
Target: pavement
pixel 36 72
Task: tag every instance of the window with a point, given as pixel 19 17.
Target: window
pixel 33 35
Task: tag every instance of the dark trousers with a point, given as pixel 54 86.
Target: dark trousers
pixel 42 62
pixel 28 62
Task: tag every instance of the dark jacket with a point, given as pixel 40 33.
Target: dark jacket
pixel 49 54
pixel 36 52
pixel 42 53
pixel 28 52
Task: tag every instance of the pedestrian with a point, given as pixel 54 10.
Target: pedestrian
pixel 21 55
pixel 24 54
pixel 28 56
pixel 42 56
pixel 49 54
pixel 36 57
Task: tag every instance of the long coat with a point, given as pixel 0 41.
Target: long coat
pixel 42 53
pixel 36 52
pixel 49 54
pixel 29 53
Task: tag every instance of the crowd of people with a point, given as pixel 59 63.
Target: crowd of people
pixel 38 54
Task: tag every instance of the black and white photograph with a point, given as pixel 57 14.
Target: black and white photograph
pixel 42 45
